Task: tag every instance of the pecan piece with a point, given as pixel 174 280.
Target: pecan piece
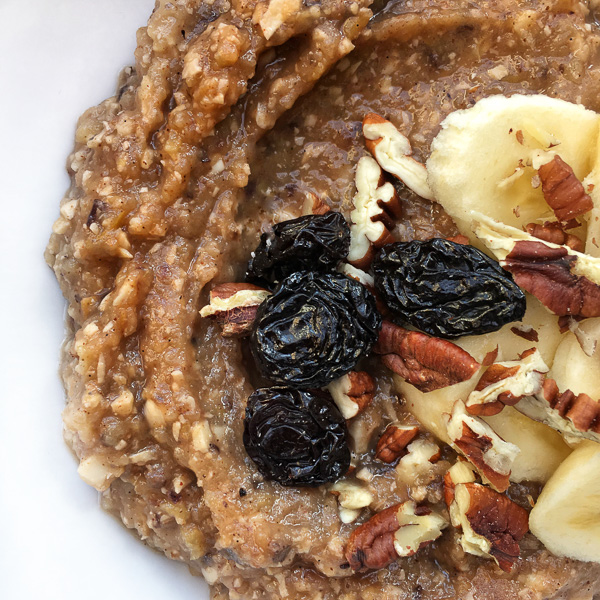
pixel 352 498
pixel 393 151
pixel 234 306
pixel 563 191
pixel 564 281
pixel 426 362
pixel 505 383
pixel 376 206
pixel 571 414
pixel 555 234
pixel 393 442
pixel 492 525
pixel 460 472
pixel 398 531
pixel 482 446
pixel 547 273
pixel 314 205
pixel 352 393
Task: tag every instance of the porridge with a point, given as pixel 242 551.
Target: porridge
pixel 244 130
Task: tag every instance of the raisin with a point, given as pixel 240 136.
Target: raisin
pixel 296 437
pixel 446 289
pixel 313 329
pixel 310 243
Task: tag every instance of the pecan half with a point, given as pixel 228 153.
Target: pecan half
pixel 563 191
pixel 547 273
pixel 376 207
pixel 352 393
pixel 505 383
pixel 393 151
pixel 492 525
pixel 234 306
pixel 482 446
pixel 314 205
pixel 555 234
pixel 398 531
pixel 392 443
pixel 426 362
pixel 572 414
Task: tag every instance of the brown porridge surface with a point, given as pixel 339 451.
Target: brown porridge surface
pixel 214 135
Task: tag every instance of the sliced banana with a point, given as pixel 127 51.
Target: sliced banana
pixel 542 448
pixel 485 158
pixel 566 518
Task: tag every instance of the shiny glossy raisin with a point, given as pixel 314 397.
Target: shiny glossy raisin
pixel 310 243
pixel 296 437
pixel 313 329
pixel 446 289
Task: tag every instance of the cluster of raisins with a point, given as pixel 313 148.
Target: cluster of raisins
pixel 318 324
pixel 314 328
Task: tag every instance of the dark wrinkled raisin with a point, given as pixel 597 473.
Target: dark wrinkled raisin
pixel 310 243
pixel 447 289
pixel 313 329
pixel 296 437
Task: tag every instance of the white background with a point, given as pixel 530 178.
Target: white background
pixel 57 58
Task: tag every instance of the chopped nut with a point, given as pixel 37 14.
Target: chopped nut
pixel 527 332
pixel 392 444
pixel 201 436
pixel 573 415
pixel 392 150
pixel 426 362
pixel 314 205
pixel 460 472
pixel 460 239
pixel 123 404
pixel 415 468
pixel 477 441
pixel 563 191
pixel 351 495
pixel 97 471
pixel 505 383
pixel 587 342
pixel 564 281
pixel 375 208
pixel 352 393
pixel 359 275
pixel 400 530
pixel 234 306
pixel 554 233
pixel 492 525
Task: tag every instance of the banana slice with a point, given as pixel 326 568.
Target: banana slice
pixel 485 158
pixel 542 448
pixel 566 518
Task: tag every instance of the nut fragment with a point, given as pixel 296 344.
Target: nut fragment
pixel 554 233
pixel 351 495
pixel 563 280
pixel 392 150
pixel 426 362
pixel 376 207
pixel 563 191
pixel 352 393
pixel 393 442
pixel 400 530
pixel 314 205
pixel 460 472
pixel 486 450
pixel 571 414
pixel 505 383
pixel 492 525
pixel 234 306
